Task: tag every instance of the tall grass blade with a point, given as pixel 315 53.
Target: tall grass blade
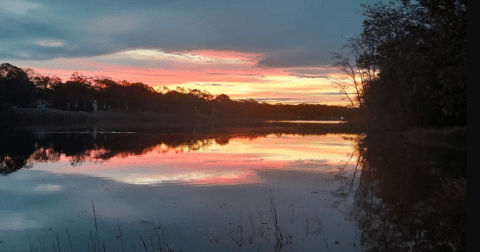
pixel 121 237
pixel 69 240
pixel 96 226
pixel 58 243
pixel 144 245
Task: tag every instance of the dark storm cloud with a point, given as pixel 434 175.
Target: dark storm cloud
pixel 289 33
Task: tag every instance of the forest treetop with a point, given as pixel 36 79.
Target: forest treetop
pixel 25 88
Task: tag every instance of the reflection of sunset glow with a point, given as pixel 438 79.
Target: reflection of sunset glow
pixel 196 178
pixel 238 162
pixel 47 188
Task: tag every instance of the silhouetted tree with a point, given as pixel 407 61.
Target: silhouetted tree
pixel 414 56
pixel 15 87
pixel 223 98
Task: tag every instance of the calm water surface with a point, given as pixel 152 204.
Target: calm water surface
pixel 241 190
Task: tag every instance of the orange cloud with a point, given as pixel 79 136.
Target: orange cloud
pixel 231 72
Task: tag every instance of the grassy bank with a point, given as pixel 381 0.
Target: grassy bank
pixel 53 119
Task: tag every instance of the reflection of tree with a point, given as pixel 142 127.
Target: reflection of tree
pixel 15 149
pixel 18 149
pixel 9 164
pixel 411 197
pixel 347 180
pixel 43 154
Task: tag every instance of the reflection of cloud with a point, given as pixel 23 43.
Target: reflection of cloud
pixel 159 179
pixel 195 178
pixel 317 166
pixel 47 188
pixel 238 162
pixel 16 222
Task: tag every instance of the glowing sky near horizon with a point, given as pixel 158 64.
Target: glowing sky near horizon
pixel 270 51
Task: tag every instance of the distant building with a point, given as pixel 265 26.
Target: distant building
pixel 41 104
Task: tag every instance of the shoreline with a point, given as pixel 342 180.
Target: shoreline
pixel 42 120
pixel 21 118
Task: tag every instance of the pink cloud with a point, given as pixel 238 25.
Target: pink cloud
pixel 211 68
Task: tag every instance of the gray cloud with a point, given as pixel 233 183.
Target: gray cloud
pixel 311 76
pixel 295 59
pixel 216 73
pixel 311 71
pixel 332 93
pixel 290 33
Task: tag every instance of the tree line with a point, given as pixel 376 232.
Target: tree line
pixel 25 88
pixel 408 66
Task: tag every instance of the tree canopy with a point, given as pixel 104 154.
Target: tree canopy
pixel 410 63
pixel 82 93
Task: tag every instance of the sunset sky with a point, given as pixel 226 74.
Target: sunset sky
pixel 270 51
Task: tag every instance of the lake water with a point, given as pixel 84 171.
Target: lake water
pixel 226 190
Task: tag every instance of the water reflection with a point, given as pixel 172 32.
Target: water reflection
pixel 272 147
pixel 411 197
pixel 215 191
pixel 256 189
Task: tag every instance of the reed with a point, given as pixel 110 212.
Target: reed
pixel 256 235
pixel 96 226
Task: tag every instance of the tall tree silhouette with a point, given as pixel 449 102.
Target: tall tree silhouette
pixel 416 53
pixel 15 86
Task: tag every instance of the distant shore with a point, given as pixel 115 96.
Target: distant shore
pixel 55 120
pixel 29 118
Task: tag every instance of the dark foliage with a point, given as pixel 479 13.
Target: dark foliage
pixel 15 87
pixel 25 88
pixel 411 197
pixel 411 63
